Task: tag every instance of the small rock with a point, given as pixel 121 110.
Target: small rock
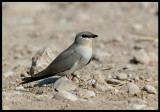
pixel 41 60
pixel 136 106
pixel 137 101
pixel 83 93
pixel 121 76
pixel 141 57
pixel 64 85
pixel 137 27
pixel 102 88
pixel 64 95
pixel 91 81
pixel 20 88
pixel 109 76
pixel 153 57
pixel 133 89
pixel 150 89
pixel 9 73
pixel 130 75
pixel 136 78
pixel 114 81
pixel 99 77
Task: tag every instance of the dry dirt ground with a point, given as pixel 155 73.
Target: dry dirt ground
pixel 123 28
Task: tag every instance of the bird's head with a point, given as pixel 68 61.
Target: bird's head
pixel 85 38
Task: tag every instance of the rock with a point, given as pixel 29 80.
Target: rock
pixel 136 78
pixel 141 57
pixel 102 88
pixel 137 101
pixel 113 81
pixel 133 89
pixel 91 81
pixel 7 74
pixel 64 95
pixel 41 60
pixel 137 26
pixel 20 88
pixel 130 75
pixel 121 76
pixel 64 85
pixel 150 89
pixel 136 106
pixel 83 93
pixel 99 77
pixel 153 57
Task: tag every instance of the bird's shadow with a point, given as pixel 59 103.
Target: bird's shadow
pixel 47 81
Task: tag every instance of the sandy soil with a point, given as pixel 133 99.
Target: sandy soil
pixel 28 27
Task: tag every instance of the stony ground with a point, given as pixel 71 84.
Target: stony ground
pixel 122 75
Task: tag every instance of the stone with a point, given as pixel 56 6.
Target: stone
pixel 137 101
pixel 99 77
pixel 91 81
pixel 5 107
pixel 20 88
pixel 121 76
pixel 101 87
pixel 150 89
pixel 113 81
pixel 64 85
pixel 65 95
pixel 83 93
pixel 137 26
pixel 41 60
pixel 133 89
pixel 9 73
pixel 136 106
pixel 141 57
pixel 153 57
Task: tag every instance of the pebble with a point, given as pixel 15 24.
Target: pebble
pixel 136 78
pixel 113 81
pixel 137 26
pixel 137 101
pixel 141 57
pixel 99 77
pixel 133 89
pixel 9 73
pixel 83 93
pixel 64 95
pixel 64 85
pixel 121 76
pixel 136 106
pixel 20 88
pixel 153 57
pixel 91 81
pixel 101 87
pixel 130 75
pixel 150 89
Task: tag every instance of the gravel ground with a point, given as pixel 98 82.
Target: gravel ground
pixel 122 75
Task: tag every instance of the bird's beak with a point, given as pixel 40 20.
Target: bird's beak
pixel 94 36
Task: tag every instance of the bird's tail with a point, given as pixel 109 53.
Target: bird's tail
pixel 36 77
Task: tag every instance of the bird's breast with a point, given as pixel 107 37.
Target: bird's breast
pixel 85 53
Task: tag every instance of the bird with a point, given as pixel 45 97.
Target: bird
pixel 75 57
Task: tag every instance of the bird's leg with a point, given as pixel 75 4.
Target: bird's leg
pixel 74 75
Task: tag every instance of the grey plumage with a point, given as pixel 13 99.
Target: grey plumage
pixel 69 60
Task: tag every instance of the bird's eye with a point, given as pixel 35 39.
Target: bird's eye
pixel 84 36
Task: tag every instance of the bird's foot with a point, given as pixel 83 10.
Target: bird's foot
pixel 79 79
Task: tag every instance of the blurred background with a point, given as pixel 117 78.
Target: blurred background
pixel 30 26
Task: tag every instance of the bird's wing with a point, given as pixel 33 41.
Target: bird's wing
pixel 63 62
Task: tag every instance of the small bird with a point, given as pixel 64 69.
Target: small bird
pixel 76 56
